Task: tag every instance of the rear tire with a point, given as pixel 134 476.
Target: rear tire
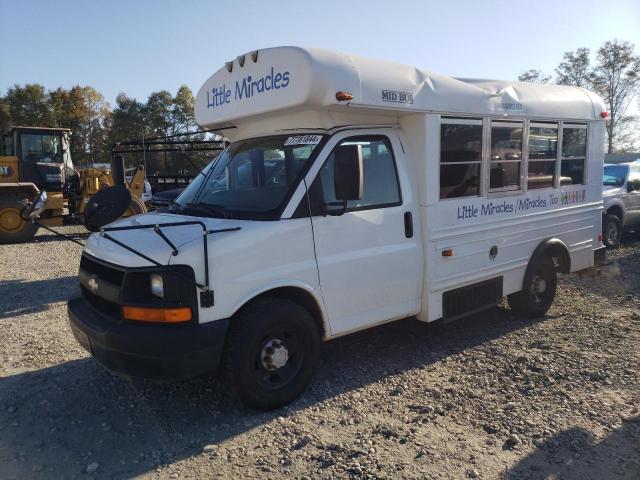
pixel 271 352
pixel 13 228
pixel 539 290
pixel 611 231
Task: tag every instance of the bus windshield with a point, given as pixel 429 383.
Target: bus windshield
pixel 614 175
pixel 251 179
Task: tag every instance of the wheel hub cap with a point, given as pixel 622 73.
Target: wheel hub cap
pixel 612 233
pixel 10 219
pixel 274 355
pixel 539 285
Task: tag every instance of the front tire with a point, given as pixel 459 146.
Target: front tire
pixel 13 228
pixel 271 352
pixel 540 285
pixel 611 231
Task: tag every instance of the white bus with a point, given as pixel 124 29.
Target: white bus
pixel 354 192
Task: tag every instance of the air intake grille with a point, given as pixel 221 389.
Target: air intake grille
pixel 471 298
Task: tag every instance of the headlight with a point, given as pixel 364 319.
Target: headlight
pixel 157 285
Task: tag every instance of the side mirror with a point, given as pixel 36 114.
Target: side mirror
pixel 348 176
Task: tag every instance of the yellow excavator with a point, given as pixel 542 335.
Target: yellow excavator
pixel 40 186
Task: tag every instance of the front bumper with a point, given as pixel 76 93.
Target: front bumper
pixel 150 351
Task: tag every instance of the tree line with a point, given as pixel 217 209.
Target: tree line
pixel 95 126
pixel 615 76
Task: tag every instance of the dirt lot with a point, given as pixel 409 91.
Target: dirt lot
pixel 485 397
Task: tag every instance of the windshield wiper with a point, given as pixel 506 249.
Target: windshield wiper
pixel 219 210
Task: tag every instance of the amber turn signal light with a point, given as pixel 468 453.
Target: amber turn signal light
pixel 157 315
pixel 344 96
pixel 447 253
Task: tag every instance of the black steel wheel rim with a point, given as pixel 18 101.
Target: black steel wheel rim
pixel 273 379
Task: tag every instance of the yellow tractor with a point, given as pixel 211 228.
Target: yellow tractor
pixel 38 181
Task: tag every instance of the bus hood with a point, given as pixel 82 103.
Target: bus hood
pixel 148 242
pixel 609 190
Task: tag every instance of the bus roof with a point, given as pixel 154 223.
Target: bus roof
pixel 283 80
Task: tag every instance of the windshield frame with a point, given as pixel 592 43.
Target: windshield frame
pixel 275 213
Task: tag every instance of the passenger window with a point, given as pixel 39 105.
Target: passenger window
pixel 506 156
pixel 380 187
pixel 543 154
pixel 460 157
pixel 574 152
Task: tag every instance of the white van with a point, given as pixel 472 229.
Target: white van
pixel 354 192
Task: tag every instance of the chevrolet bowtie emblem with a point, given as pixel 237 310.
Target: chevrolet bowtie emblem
pixel 93 284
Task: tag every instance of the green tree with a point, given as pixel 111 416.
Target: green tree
pixel 575 69
pixel 534 76
pixel 616 79
pixel 183 110
pixel 29 106
pixel 159 113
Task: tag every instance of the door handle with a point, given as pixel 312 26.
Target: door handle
pixel 408 224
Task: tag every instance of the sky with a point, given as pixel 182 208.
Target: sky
pixel 141 46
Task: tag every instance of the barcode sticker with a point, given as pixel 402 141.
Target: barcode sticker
pixel 303 140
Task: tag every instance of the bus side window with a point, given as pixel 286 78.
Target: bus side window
pixel 543 154
pixel 460 157
pixel 506 155
pixel 574 153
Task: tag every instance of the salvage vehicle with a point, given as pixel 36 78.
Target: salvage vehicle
pixel 37 176
pixel 621 195
pixel 354 192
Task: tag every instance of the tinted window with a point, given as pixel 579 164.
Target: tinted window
pixel 380 177
pixel 614 175
pixel 41 147
pixel 574 149
pixel 543 151
pixel 460 158
pixel 506 156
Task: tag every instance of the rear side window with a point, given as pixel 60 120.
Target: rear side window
pixel 460 157
pixel 381 188
pixel 506 156
pixel 574 153
pixel 543 155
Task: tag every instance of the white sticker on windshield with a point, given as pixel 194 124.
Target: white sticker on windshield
pixel 303 140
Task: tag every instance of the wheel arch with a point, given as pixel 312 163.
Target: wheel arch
pixel 616 209
pixel 302 295
pixel 553 247
pixel 26 188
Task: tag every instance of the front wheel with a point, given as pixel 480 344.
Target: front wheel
pixel 14 228
pixel 611 231
pixel 271 353
pixel 538 291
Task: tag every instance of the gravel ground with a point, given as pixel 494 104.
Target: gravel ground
pixel 489 396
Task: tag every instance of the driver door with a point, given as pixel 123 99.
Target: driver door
pixel 369 255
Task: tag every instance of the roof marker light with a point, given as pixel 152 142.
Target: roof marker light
pixel 229 66
pixel 343 96
pixel 241 60
pixel 604 114
pixel 254 56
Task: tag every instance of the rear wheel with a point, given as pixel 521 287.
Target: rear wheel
pixel 611 231
pixel 13 228
pixel 539 290
pixel 271 353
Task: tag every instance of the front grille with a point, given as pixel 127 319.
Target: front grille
pixel 111 309
pixel 471 298
pixel 102 271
